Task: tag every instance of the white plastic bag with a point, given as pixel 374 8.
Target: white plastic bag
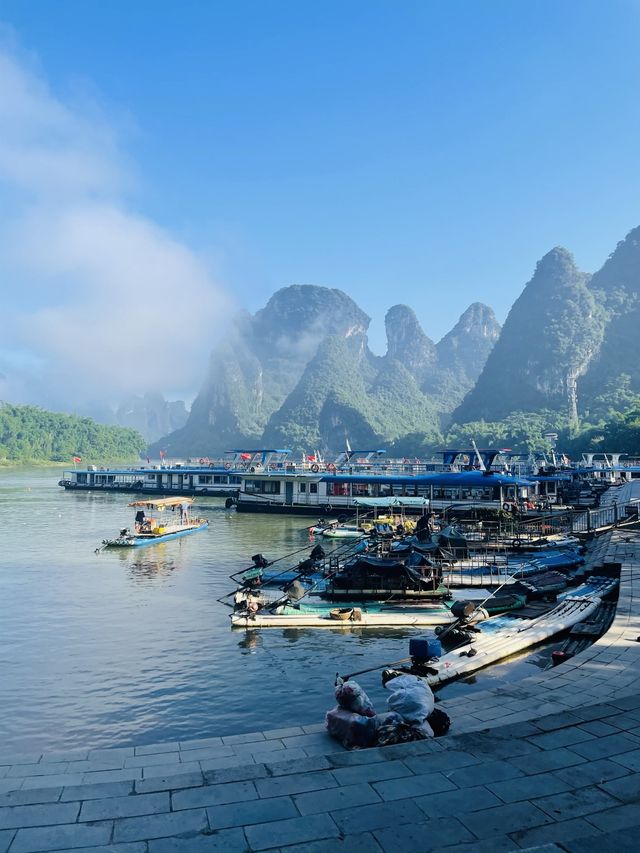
pixel 411 697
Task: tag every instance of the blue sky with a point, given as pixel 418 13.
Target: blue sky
pixel 419 152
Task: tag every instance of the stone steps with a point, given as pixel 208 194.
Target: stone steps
pixel 561 779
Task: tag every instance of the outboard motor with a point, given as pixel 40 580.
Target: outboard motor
pixel 317 553
pixel 423 651
pixel 260 561
pixel 295 591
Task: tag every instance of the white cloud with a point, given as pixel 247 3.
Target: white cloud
pixel 103 300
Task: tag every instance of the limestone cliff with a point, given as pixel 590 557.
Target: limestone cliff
pixel 548 340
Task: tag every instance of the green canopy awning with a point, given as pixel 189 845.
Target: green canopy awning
pixel 397 500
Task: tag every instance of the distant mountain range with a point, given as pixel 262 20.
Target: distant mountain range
pixel 300 374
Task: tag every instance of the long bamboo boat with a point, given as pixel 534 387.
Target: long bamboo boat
pixel 504 636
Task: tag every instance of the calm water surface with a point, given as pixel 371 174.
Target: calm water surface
pixel 132 645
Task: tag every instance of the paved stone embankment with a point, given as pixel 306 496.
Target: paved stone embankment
pixel 550 763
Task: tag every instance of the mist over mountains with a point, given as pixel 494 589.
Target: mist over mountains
pixel 300 374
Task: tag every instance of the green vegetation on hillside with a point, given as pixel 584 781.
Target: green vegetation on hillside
pixel 31 434
pixel 552 331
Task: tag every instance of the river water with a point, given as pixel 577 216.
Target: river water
pixel 133 646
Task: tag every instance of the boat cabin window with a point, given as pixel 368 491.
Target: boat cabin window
pixel 313 488
pixel 303 488
pixel 262 487
pixel 82 478
pixel 477 494
pixel 203 479
pixel 361 490
pixel 338 489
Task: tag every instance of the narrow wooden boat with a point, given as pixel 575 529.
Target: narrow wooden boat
pixel 504 636
pixel 149 530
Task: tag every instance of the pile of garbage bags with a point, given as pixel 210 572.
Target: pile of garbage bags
pixel 412 714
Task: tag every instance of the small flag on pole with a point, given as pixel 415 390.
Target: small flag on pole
pixel 77 459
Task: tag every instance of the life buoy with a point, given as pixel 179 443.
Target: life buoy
pixel 327 508
pixel 252 470
pixel 201 461
pixel 331 468
pixel 315 468
pixel 227 466
pixel 211 465
pixel 506 506
pixel 273 466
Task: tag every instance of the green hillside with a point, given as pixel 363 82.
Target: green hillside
pixel 30 434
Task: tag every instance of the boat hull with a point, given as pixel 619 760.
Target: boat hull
pixel 199 491
pixel 141 541
pixel 440 616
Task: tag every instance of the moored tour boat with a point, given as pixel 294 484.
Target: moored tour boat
pixel 149 530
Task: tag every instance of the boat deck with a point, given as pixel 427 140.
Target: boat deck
pixel 553 759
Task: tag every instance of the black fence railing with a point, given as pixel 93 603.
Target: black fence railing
pixel 591 520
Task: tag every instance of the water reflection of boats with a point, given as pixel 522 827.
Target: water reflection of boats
pixel 149 530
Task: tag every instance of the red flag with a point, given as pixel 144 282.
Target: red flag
pixel 311 458
pixel 77 458
pixel 245 456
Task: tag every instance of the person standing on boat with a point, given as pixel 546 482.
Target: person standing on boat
pixel 140 517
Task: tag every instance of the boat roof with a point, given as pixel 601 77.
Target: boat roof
pixel 259 450
pixel 477 479
pixel 161 503
pixel 550 478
